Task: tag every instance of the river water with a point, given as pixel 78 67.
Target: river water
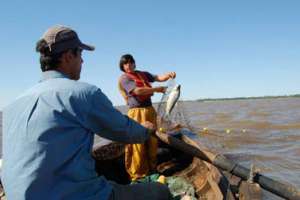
pixel 265 132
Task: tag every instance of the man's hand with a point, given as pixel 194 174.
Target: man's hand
pixel 151 128
pixel 160 89
pixel 171 75
pixel 148 125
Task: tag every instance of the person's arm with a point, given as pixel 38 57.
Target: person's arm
pixel 146 90
pixel 131 88
pixel 165 77
pixel 106 121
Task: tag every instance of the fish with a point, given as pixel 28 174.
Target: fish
pixel 172 99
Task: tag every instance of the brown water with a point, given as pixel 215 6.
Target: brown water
pixel 265 132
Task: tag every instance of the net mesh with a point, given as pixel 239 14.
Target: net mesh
pixel 177 118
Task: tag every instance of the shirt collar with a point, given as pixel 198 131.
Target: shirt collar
pixel 53 74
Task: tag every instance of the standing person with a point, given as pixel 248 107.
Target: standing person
pixel 48 132
pixel 136 89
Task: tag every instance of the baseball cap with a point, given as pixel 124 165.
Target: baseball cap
pixel 60 38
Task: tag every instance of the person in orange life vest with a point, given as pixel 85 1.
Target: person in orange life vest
pixel 136 89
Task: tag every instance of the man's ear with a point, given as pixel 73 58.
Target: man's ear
pixel 68 56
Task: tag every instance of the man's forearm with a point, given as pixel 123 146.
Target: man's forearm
pixel 144 91
pixel 161 78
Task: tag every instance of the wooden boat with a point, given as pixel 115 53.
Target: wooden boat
pixel 209 182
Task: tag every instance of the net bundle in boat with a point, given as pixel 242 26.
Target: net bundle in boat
pixel 109 151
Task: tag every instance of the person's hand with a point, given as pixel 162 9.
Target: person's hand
pixel 148 125
pixel 151 128
pixel 171 75
pixel 161 89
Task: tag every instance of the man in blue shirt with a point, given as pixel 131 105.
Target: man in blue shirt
pixel 48 132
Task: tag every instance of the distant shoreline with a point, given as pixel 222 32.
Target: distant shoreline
pixel 229 99
pixel 247 98
pixel 224 99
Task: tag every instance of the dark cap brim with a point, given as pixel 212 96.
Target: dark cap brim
pixel 87 47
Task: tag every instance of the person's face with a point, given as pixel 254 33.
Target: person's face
pixel 129 67
pixel 75 65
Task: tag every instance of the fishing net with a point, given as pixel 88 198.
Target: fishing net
pixel 177 118
pixel 180 188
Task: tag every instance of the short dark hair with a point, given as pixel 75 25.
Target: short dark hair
pixel 48 60
pixel 127 58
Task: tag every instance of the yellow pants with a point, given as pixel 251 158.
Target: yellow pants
pixel 141 158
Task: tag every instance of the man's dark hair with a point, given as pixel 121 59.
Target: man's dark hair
pixel 48 60
pixel 127 58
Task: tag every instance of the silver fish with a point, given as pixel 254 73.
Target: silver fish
pixel 172 99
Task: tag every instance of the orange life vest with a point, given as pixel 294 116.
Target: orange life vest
pixel 140 80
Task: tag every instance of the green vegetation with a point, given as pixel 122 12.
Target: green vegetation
pixel 248 98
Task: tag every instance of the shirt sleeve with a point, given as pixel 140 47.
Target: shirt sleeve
pixel 150 76
pixel 106 121
pixel 128 84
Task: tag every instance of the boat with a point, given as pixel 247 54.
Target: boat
pixel 212 175
pixel 180 156
pixel 209 182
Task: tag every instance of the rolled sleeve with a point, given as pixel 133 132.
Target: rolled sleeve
pixel 106 121
pixel 128 84
pixel 151 77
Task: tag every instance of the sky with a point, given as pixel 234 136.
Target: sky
pixel 218 49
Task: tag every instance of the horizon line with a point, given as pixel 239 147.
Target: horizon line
pixel 234 98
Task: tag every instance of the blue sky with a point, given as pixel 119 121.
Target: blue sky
pixel 218 48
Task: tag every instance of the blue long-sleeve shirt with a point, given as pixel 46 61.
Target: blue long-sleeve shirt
pixel 48 135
